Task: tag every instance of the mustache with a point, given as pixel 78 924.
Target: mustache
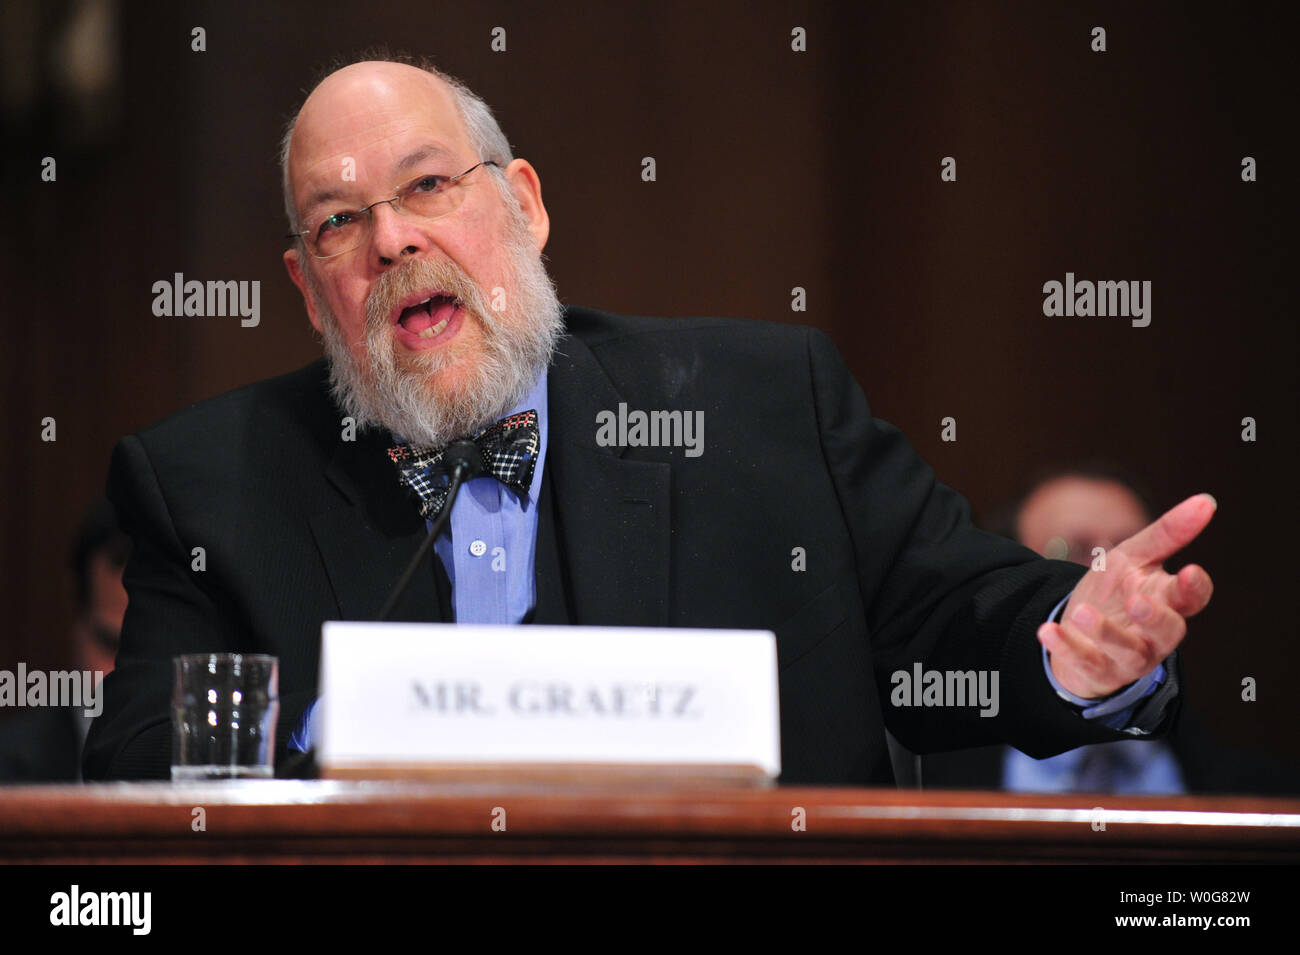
pixel 419 275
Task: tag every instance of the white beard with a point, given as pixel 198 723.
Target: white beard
pixel 398 389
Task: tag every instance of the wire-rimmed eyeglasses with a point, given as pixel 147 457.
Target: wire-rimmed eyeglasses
pixel 427 196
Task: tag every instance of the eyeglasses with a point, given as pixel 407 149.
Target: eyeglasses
pixel 426 196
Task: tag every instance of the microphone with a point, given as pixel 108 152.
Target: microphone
pixel 464 461
pixel 464 455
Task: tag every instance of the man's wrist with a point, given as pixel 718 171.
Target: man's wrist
pixel 1114 710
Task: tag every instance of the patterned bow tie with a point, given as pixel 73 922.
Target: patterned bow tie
pixel 509 450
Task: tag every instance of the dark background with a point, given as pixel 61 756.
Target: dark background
pixel 775 169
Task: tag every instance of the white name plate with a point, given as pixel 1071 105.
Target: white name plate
pixel 484 701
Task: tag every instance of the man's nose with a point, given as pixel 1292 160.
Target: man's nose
pixel 394 236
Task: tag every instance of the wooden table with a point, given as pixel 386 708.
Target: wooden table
pixel 387 822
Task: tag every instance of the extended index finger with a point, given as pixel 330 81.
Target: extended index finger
pixel 1172 530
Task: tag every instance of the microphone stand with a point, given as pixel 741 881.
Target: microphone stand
pixel 466 463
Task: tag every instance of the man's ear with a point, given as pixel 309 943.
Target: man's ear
pixel 527 187
pixel 293 265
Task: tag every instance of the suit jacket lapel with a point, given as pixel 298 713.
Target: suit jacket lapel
pixel 554 601
pixel 369 539
pixel 611 514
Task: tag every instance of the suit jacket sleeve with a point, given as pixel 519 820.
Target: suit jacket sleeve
pixel 939 591
pixel 172 609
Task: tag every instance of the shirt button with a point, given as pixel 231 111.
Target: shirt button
pixel 478 548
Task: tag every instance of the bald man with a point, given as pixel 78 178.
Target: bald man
pixel 416 240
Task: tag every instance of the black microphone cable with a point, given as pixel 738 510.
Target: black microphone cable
pixel 465 462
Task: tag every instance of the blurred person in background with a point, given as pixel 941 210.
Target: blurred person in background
pixel 1066 515
pixel 44 744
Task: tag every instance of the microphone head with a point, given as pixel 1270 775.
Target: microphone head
pixel 466 456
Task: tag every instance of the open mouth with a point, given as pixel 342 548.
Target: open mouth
pixel 429 317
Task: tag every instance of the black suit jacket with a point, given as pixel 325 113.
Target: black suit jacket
pixel 299 526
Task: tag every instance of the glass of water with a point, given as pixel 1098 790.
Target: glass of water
pixel 224 710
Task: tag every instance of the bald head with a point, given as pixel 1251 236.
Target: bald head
pixel 363 104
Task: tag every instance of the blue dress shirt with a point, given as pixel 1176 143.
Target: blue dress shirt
pixel 490 552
